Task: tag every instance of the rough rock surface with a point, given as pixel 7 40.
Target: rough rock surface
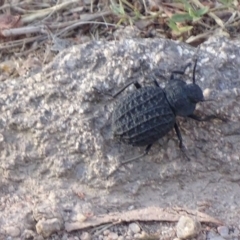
pixel 57 149
pixel 188 227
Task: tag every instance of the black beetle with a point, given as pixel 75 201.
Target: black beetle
pixel 149 113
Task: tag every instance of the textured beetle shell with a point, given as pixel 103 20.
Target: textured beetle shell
pixel 143 117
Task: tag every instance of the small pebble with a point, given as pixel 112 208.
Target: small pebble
pixel 144 234
pixel 187 227
pixel 81 217
pixel 137 235
pixel 28 234
pixel 48 226
pixel 112 236
pixel 85 236
pixel 134 228
pixel 65 236
pixel 129 233
pixel 12 231
pixel 223 231
pixel 106 232
pixel 213 236
pixel 131 207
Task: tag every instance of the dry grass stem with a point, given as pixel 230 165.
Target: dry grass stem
pixel 45 12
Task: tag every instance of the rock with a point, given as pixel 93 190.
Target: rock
pixel 223 231
pixel 48 227
pixel 112 236
pixel 85 236
pixel 55 132
pixel 137 236
pixel 12 231
pixel 49 219
pixel 46 211
pixel 106 232
pixel 81 217
pixel 213 236
pixel 187 227
pixel 134 228
pixel 28 234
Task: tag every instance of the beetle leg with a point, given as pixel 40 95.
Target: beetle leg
pixel 177 130
pixel 131 159
pixel 136 84
pixel 154 77
pixel 142 155
pixel 181 72
pixel 207 118
pixel 199 119
pixel 181 146
pixel 156 83
pixel 184 69
pixel 147 149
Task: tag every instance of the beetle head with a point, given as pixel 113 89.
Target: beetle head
pixel 194 93
pixel 183 97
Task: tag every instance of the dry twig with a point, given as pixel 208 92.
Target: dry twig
pixel 146 214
